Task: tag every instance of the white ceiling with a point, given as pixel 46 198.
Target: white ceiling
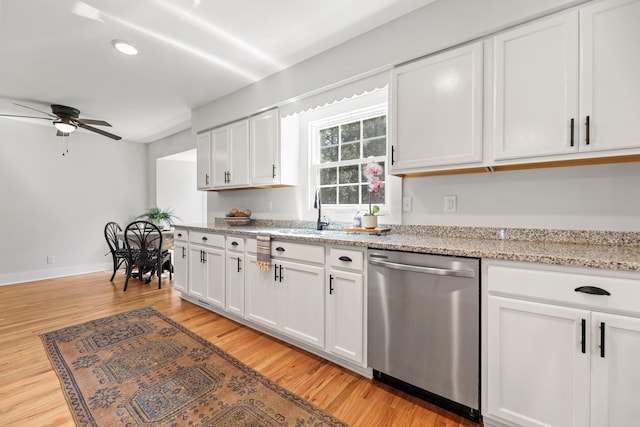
pixel 191 52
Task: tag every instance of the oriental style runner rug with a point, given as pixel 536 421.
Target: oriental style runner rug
pixel 140 368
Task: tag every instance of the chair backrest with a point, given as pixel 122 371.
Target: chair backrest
pixel 111 235
pixel 146 237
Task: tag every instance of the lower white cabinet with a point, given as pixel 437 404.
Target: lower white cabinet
pixel 180 260
pixel 235 276
pixel 207 268
pixel 558 350
pixel 345 304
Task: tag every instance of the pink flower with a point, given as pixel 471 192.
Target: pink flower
pixel 372 169
pixel 375 184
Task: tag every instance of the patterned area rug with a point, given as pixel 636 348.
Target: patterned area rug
pixel 140 368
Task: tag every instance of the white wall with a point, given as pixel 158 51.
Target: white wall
pixel 176 189
pixel 58 206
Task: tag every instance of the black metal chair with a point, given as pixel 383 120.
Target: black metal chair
pixel 118 251
pixel 143 240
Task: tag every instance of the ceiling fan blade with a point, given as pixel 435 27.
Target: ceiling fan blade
pixel 25 117
pixel 34 109
pixel 96 130
pixel 92 122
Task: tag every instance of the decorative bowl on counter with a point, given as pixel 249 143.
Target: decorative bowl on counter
pixel 242 220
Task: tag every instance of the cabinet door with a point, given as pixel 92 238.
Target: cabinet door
pixel 203 145
pixel 436 110
pixel 221 156
pixel 265 144
pixel 214 265
pixel 345 318
pixel 535 89
pixel 615 381
pixel 262 294
pixel 537 373
pixel 610 87
pixel 197 277
pixel 239 161
pixel 303 302
pixel 180 266
pixel 235 283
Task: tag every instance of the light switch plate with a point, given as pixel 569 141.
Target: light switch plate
pixel 406 204
pixel 450 203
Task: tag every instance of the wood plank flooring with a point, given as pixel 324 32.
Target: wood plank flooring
pixel 30 393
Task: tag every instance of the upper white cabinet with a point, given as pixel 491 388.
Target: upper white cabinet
pixel 535 82
pixel 610 87
pixel 230 154
pixel 568 83
pixel 265 147
pixel 203 145
pixel 437 111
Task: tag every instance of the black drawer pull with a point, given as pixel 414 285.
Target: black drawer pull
pixel 345 258
pixel 205 239
pixel 179 234
pixel 280 249
pixel 593 290
pixel 234 243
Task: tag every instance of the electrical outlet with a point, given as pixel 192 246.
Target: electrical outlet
pixel 51 259
pixel 406 204
pixel 450 203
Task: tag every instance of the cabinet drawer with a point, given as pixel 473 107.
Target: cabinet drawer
pixel 235 244
pixel 559 285
pixel 180 235
pixel 297 251
pixel 345 258
pixel 207 239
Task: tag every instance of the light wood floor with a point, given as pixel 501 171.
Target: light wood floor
pixel 30 393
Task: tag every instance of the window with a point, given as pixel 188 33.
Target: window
pixel 342 146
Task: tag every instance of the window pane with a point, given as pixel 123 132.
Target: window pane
pixel 329 136
pixel 329 154
pixel 350 151
pixel 374 147
pixel 348 194
pixel 375 127
pixel 351 132
pixel 328 176
pixel 376 198
pixel 328 195
pixel 348 174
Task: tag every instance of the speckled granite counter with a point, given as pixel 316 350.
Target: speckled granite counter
pixel 595 249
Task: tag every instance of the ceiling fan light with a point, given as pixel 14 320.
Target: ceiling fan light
pixel 124 47
pixel 64 126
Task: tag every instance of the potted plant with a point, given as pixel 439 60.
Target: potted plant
pixel 371 172
pixel 159 217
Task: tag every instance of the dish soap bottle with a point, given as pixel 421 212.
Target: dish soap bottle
pixel 357 220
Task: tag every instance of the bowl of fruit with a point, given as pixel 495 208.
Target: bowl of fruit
pixel 237 217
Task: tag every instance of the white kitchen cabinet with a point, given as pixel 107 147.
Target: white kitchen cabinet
pixel 230 155
pixel 437 111
pixel 203 161
pixel 207 268
pixel 345 304
pixel 235 279
pixel 180 260
pixel 265 148
pixel 556 352
pixel 535 89
pixel 567 85
pixel 289 298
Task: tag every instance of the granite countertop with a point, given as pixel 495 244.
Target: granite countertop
pixel 595 249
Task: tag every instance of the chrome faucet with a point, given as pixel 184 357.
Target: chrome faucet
pixel 317 204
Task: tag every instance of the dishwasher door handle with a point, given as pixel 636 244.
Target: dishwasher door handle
pixel 425 270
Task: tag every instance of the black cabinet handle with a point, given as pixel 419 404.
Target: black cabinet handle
pixel 281 276
pixel 273 171
pixel 587 125
pixel 179 234
pixel 206 179
pixel 593 290
pixel 204 239
pixel 393 150
pixel 204 257
pixel 234 243
pixel 572 123
pixel 184 250
pixel 275 272
pixel 584 335
pixel 601 339
pixel 280 249
pixel 330 284
pixel 239 265
pixel 345 258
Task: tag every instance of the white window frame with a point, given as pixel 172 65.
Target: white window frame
pixel 314 158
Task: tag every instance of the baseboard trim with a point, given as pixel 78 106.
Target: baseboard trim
pixel 30 276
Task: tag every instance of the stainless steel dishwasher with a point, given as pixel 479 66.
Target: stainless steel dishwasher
pixel 424 326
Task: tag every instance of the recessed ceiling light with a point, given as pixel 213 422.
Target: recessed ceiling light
pixel 124 47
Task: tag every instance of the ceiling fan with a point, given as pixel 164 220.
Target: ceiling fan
pixel 67 119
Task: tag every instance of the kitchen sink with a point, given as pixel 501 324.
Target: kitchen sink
pixel 304 231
